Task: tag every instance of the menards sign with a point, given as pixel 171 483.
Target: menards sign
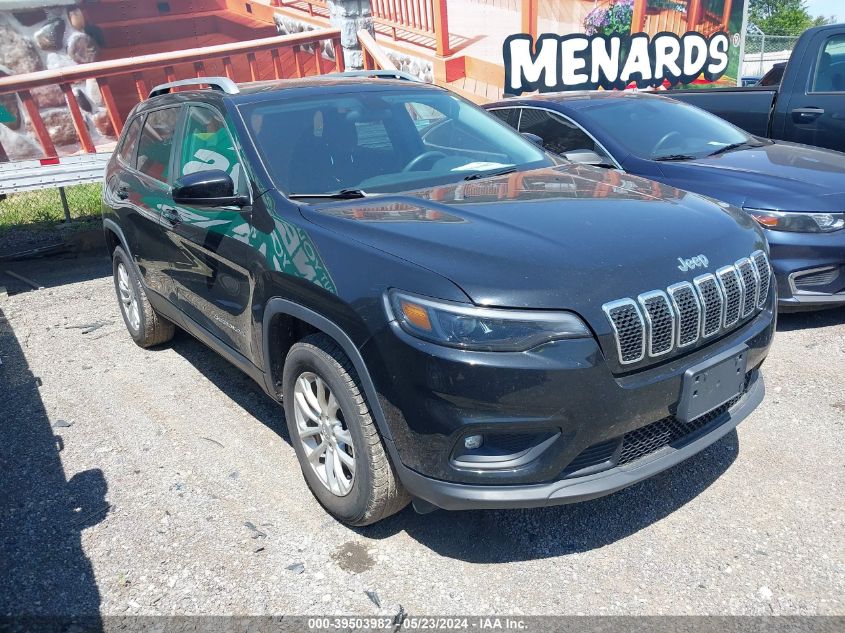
pixel 631 43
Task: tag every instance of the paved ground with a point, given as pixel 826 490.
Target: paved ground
pixel 163 482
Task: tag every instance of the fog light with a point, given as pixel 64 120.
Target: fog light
pixel 472 442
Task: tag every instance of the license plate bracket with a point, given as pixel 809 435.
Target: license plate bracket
pixel 711 384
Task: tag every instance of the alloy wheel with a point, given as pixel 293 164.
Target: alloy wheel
pixel 128 300
pixel 323 433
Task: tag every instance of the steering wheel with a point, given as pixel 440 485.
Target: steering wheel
pixel 665 139
pixel 417 160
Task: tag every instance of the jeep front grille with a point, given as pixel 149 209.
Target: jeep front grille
pixel 659 321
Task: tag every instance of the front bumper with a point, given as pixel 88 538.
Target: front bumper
pixel 564 393
pixel 453 496
pixel 809 268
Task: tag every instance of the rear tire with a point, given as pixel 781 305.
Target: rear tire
pixel 349 471
pixel 146 327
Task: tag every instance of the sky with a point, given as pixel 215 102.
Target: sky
pixel 828 8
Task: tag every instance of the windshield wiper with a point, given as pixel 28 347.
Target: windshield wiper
pixel 490 174
pixel 675 157
pixel 733 146
pixel 343 194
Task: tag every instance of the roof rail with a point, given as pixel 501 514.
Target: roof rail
pixel 378 74
pixel 224 84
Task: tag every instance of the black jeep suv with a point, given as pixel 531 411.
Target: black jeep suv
pixel 448 314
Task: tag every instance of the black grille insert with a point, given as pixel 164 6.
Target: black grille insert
pixel 749 282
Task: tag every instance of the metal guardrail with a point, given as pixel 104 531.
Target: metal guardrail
pixel 30 175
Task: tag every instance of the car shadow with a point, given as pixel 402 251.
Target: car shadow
pixel 502 536
pixel 790 321
pixel 44 571
pixel 239 387
pixel 498 536
pixel 48 272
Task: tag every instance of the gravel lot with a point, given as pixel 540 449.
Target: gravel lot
pixel 163 482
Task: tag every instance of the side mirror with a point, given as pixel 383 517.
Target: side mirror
pixel 537 140
pixel 586 157
pixel 211 188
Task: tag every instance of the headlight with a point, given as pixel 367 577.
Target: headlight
pixel 798 222
pixel 482 329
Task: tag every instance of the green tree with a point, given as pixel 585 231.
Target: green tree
pixel 783 17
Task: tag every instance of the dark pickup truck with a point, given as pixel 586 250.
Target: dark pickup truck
pixel 807 107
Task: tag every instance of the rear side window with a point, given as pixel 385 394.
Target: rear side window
pixel 208 145
pixel 155 143
pixel 830 70
pixel 126 152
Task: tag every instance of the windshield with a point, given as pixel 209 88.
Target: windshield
pixel 384 141
pixel 660 129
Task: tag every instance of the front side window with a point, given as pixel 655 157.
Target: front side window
pixel 830 69
pixel 382 141
pixel 155 143
pixel 559 135
pixel 508 115
pixel 126 152
pixel 656 128
pixel 207 144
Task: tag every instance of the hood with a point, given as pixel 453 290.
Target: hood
pixel 568 237
pixel 781 176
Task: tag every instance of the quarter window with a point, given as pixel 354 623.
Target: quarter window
pixel 830 70
pixel 209 145
pixel 155 143
pixel 126 152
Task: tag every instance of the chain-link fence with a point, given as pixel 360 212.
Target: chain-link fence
pixel 49 206
pixel 764 51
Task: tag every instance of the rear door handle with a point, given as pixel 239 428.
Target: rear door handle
pixel 171 215
pixel 805 115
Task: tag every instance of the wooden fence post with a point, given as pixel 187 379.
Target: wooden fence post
pixel 441 28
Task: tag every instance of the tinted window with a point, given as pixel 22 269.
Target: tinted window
pixel 659 128
pixel 207 144
pixel 155 143
pixel 559 135
pixel 381 141
pixel 508 115
pixel 126 153
pixel 773 77
pixel 830 70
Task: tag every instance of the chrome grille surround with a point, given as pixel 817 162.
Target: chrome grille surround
pixel 658 321
pixel 688 310
pixel 661 322
pixel 628 328
pixel 764 273
pixel 712 304
pixel 750 285
pixel 729 280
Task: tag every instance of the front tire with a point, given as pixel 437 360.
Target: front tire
pixel 146 327
pixel 338 445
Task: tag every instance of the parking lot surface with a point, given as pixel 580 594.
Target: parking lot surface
pixel 163 482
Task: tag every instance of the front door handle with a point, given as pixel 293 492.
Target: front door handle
pixel 806 115
pixel 171 215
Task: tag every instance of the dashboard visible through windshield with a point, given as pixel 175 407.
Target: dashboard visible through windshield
pixel 385 141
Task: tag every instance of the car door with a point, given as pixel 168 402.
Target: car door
pixel 211 245
pixel 815 112
pixel 150 191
